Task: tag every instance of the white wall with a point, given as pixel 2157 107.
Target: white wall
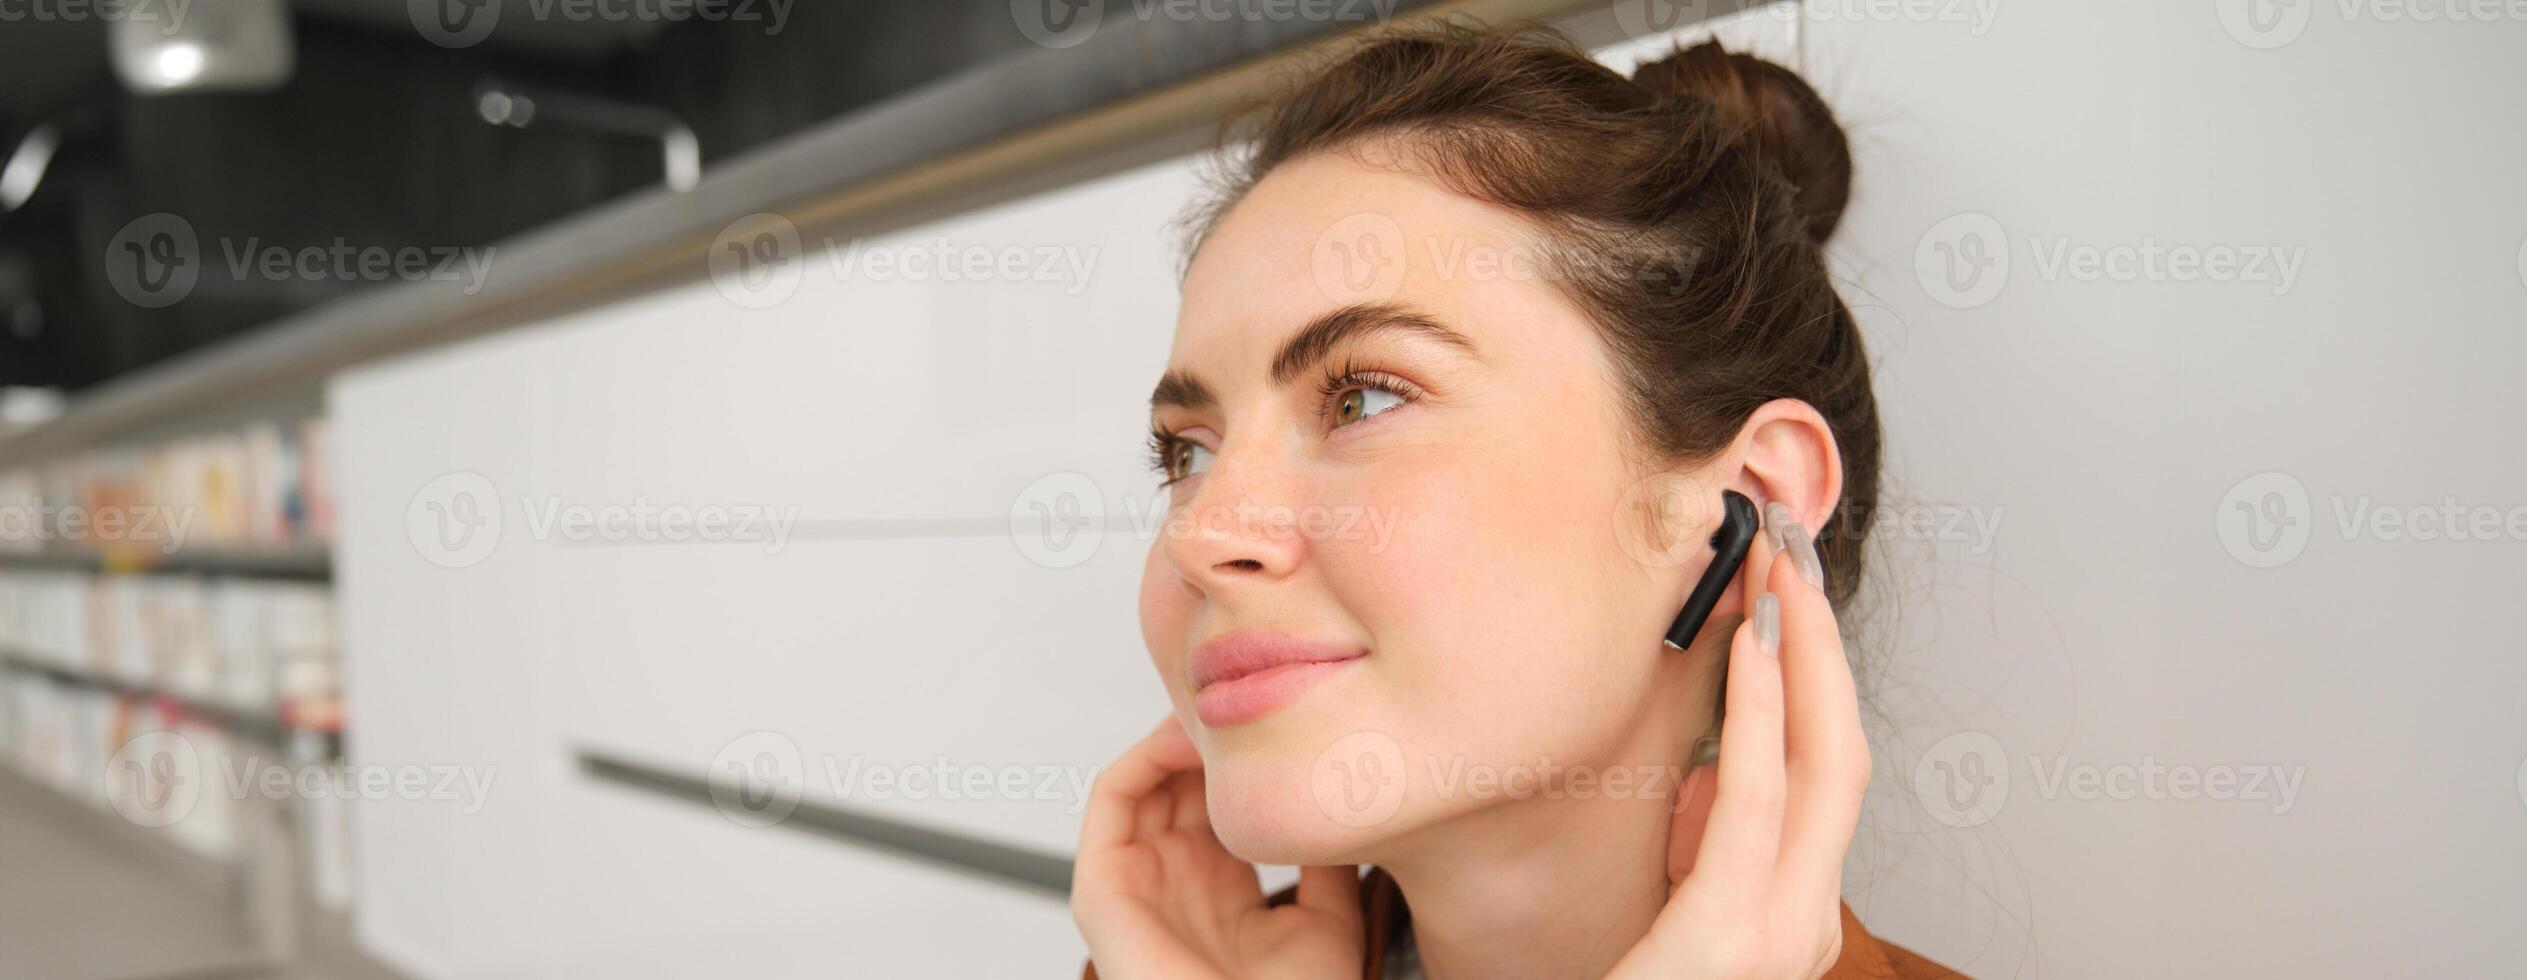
pixel 899 623
pixel 2099 429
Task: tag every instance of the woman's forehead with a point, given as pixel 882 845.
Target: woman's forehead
pixel 1325 232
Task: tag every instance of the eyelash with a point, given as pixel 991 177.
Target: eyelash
pixel 1164 443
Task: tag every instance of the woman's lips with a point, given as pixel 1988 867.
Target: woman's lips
pixel 1237 677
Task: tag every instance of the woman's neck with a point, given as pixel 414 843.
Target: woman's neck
pixel 1541 888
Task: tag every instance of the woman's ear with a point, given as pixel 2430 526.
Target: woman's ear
pixel 1787 454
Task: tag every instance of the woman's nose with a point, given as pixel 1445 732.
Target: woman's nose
pixel 1240 527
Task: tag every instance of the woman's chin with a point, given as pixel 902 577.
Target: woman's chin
pixel 1274 813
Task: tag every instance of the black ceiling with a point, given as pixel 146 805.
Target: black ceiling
pixel 374 142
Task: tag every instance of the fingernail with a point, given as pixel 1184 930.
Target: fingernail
pixel 1776 517
pixel 1706 750
pixel 1768 624
pixel 1802 551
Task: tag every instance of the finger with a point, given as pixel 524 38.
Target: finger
pixel 1692 814
pixel 1760 557
pixel 1114 799
pixel 1331 889
pixel 1743 836
pixel 1193 811
pixel 1826 751
pixel 1155 812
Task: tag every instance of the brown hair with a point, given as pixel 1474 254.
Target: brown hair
pixel 1714 178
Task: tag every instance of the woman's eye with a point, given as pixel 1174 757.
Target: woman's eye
pixel 1188 459
pixel 1360 403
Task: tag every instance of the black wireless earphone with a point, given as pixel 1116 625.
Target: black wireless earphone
pixel 1729 544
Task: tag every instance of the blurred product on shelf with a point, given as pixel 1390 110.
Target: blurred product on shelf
pixel 241 675
pixel 264 486
pixel 168 650
pixel 236 645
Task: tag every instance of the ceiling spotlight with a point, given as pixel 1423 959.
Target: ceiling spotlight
pixel 501 104
pixel 179 64
pixel 25 170
pixel 233 45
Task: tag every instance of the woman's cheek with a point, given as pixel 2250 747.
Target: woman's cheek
pixel 1166 614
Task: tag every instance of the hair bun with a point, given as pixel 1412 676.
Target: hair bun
pixel 1771 113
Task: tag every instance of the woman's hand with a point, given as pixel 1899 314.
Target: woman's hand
pixel 1156 896
pixel 1757 866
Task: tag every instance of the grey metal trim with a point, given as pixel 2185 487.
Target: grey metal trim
pixel 310 563
pixel 261 727
pixel 1000 863
pixel 1134 92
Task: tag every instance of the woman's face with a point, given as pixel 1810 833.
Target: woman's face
pixel 1401 476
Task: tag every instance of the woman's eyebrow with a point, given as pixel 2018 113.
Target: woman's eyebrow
pixel 1310 345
